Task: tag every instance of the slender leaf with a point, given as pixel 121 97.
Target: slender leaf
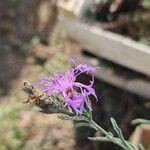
pixel 119 133
pixel 75 118
pixel 64 117
pixel 140 121
pixel 85 124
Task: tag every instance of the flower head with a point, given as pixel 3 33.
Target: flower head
pixel 75 93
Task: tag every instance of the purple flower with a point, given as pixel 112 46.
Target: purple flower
pixel 75 93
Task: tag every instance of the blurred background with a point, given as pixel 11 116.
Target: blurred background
pixel 38 38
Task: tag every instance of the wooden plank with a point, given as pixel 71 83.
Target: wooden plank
pixel 109 45
pixel 138 86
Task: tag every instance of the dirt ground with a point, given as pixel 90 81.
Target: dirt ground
pixel 30 47
pixel 38 131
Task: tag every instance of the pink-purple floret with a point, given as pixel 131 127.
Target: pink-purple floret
pixel 75 93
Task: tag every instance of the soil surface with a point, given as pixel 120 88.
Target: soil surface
pixel 32 44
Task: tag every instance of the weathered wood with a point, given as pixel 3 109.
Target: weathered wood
pixel 138 86
pixel 113 47
pixel 109 45
pixel 141 135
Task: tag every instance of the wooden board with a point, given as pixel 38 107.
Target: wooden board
pixel 108 45
pixel 138 86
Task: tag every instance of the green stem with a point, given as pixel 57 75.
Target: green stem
pixel 109 136
pixel 100 129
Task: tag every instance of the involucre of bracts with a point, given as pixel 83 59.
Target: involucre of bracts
pixel 47 104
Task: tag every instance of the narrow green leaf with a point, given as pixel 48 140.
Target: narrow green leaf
pixel 106 139
pixel 85 124
pixel 140 121
pixel 117 129
pixel 75 118
pixel 65 117
pixel 120 135
pixel 80 118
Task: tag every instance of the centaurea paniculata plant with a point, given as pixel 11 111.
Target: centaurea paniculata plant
pixel 74 93
pixel 63 94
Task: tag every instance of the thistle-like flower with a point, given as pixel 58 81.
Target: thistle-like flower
pixel 65 84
